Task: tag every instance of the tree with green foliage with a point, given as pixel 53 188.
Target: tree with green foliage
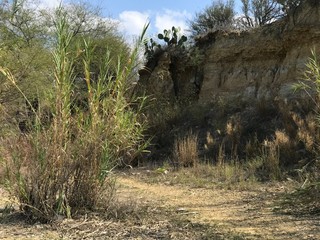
pixel 23 49
pixel 27 39
pixel 259 12
pixel 219 15
pixel 19 24
pixel 289 5
pixel 87 22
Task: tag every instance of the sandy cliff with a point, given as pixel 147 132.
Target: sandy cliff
pixel 262 63
pixel 257 64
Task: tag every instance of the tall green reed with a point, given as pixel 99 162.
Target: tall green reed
pixel 61 168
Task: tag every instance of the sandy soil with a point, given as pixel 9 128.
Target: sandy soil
pixel 163 211
pixel 249 213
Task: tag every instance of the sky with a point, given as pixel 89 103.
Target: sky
pixel 133 14
pixel 162 14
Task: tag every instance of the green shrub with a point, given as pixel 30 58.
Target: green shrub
pixel 217 16
pixel 306 198
pixel 63 167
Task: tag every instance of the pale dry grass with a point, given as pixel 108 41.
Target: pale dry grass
pixel 271 158
pixel 233 132
pixel 185 150
pixel 308 131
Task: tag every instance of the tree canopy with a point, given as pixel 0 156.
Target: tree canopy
pixel 254 13
pixel 26 41
pixel 217 15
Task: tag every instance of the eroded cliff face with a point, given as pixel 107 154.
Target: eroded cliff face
pixel 259 64
pixel 170 77
pixel 263 63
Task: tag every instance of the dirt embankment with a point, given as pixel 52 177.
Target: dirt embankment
pixel 261 63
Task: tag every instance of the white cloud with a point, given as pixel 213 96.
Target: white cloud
pixel 44 4
pixel 132 22
pixel 170 18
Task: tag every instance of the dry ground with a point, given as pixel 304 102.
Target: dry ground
pixel 160 210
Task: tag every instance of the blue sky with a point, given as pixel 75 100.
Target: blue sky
pixel 115 7
pixel 162 14
pixel 133 14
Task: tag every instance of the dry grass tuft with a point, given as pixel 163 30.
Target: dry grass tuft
pixel 185 150
pixel 234 130
pixel 271 158
pixel 307 130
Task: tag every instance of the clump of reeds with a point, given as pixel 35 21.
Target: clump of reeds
pixel 64 166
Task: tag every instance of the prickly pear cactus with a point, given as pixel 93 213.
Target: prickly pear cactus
pixel 171 37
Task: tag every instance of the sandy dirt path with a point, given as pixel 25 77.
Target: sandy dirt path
pixel 174 212
pixel 245 212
